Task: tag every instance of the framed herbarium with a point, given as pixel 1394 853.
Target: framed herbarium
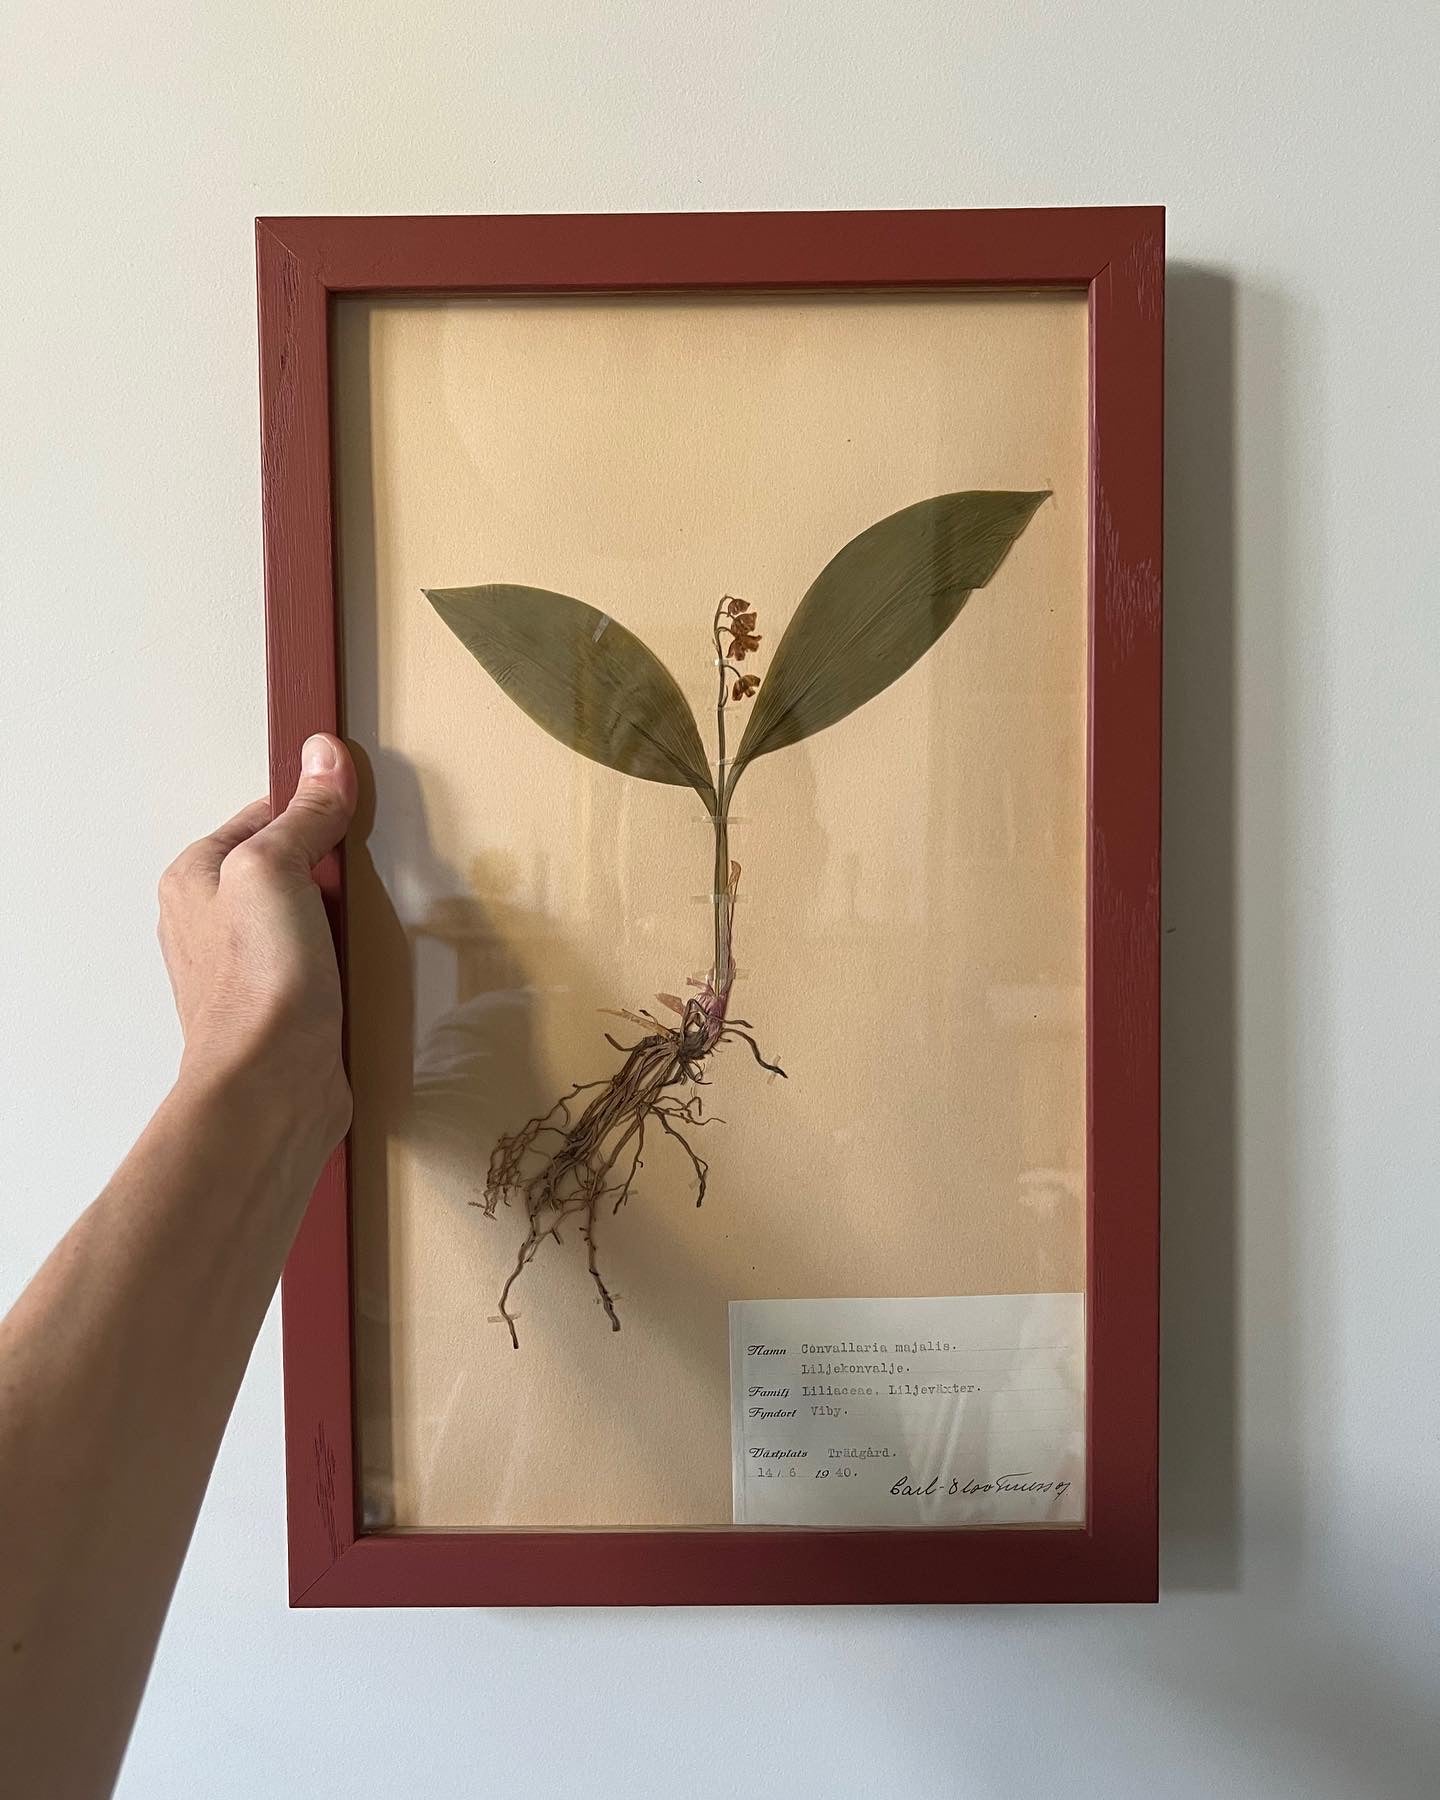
pixel 748 627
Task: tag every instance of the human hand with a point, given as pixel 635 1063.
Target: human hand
pixel 249 953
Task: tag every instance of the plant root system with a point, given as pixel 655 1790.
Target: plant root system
pixel 568 1165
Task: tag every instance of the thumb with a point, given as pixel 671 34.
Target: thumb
pixel 322 805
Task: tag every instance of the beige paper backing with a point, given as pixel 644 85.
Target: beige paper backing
pixel 910 931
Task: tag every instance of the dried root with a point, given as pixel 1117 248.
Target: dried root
pixel 597 1153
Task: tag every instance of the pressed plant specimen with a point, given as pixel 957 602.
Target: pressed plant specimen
pixel 875 609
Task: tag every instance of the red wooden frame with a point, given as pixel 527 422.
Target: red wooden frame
pixel 1117 254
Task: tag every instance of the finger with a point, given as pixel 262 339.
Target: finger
pixel 320 809
pixel 245 824
pixel 202 859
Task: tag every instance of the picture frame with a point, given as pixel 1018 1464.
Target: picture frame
pixel 1114 258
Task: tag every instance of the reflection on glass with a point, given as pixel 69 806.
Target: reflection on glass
pixel 907 940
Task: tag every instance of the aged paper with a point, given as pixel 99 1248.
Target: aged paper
pixel 910 932
pixel 960 1411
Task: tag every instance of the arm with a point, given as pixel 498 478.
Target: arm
pixel 120 1362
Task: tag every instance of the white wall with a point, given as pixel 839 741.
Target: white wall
pixel 1294 1653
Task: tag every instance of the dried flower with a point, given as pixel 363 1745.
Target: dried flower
pixel 745 687
pixel 735 606
pixel 741 643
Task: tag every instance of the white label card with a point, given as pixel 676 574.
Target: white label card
pixel 963 1411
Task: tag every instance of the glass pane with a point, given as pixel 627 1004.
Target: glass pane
pixel 906 939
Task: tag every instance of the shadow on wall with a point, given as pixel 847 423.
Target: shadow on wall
pixel 1279 1660
pixel 1199 1461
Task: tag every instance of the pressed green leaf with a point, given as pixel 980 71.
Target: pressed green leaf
pixel 584 677
pixel 876 607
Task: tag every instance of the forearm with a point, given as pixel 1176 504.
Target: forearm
pixel 118 1370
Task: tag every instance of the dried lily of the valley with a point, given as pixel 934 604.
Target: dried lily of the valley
pixel 872 612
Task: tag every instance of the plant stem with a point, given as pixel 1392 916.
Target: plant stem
pixel 722 974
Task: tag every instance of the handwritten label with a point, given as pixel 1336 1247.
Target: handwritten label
pixel 964 1411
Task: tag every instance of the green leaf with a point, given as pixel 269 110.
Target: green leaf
pixel 584 677
pixel 876 608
